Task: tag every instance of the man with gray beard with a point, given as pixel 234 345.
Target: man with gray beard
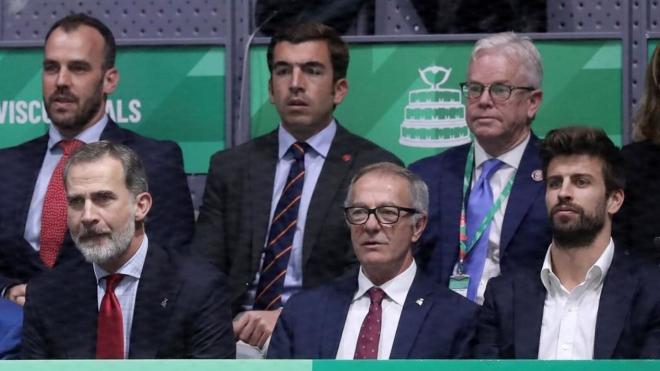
pixel 137 299
pixel 588 300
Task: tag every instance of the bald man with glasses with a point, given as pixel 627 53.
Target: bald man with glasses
pixel 487 213
pixel 386 309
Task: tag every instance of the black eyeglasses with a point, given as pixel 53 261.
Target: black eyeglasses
pixel 498 92
pixel 384 214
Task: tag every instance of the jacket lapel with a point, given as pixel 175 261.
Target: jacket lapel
pixel 82 319
pixel 614 306
pixel 113 133
pixel 529 294
pixel 334 315
pixel 260 188
pixel 155 299
pixel 335 169
pixel 523 192
pixel 412 317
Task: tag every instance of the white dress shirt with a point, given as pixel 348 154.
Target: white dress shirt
pixel 53 154
pixel 126 290
pixel 511 162
pixel 396 291
pixel 569 317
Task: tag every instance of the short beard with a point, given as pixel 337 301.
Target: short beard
pixel 108 250
pixel 82 117
pixel 579 234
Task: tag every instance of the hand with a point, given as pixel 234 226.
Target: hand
pixel 255 326
pixel 16 293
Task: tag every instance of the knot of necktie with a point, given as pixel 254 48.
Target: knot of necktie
pixel 489 167
pixel 376 294
pixel 298 150
pixel 112 280
pixel 70 145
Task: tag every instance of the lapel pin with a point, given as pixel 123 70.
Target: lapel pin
pixel 346 157
pixel 420 301
pixel 163 303
pixel 537 175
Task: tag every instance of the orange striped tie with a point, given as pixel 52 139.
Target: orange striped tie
pixel 280 237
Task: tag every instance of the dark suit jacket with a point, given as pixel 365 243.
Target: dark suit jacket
pixel 234 216
pixel 525 218
pixel 637 225
pixel 11 324
pixel 170 222
pixel 62 308
pixel 312 322
pixel 627 324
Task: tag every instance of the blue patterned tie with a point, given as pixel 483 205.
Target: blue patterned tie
pixel 479 202
pixel 280 237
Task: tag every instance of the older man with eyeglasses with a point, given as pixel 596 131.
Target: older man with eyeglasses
pixel 388 308
pixel 487 212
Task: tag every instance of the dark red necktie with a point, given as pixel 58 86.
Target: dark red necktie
pixel 110 330
pixel 53 214
pixel 367 344
pixel 280 237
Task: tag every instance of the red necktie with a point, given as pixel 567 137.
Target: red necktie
pixel 110 330
pixel 53 215
pixel 367 344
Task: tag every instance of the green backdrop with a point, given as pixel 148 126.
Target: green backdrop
pixel 582 85
pixel 172 93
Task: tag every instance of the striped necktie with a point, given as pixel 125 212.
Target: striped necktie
pixel 280 237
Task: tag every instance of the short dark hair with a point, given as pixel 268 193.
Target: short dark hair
pixel 582 140
pixel 134 173
pixel 314 31
pixel 73 21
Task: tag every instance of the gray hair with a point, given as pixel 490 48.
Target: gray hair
pixel 419 192
pixel 134 173
pixel 514 46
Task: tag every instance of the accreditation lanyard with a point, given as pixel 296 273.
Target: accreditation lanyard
pixel 464 247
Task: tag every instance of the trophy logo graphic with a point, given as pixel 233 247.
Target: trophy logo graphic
pixel 434 117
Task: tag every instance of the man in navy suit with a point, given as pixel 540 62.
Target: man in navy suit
pixel 136 299
pixel 502 95
pixel 308 64
pixel 387 309
pixel 589 300
pixel 78 75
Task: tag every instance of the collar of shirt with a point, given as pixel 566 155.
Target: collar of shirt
pixel 595 275
pixel 132 268
pixel 511 158
pixel 90 135
pixel 396 289
pixel 320 142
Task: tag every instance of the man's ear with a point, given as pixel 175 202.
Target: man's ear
pixel 419 227
pixel 142 206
